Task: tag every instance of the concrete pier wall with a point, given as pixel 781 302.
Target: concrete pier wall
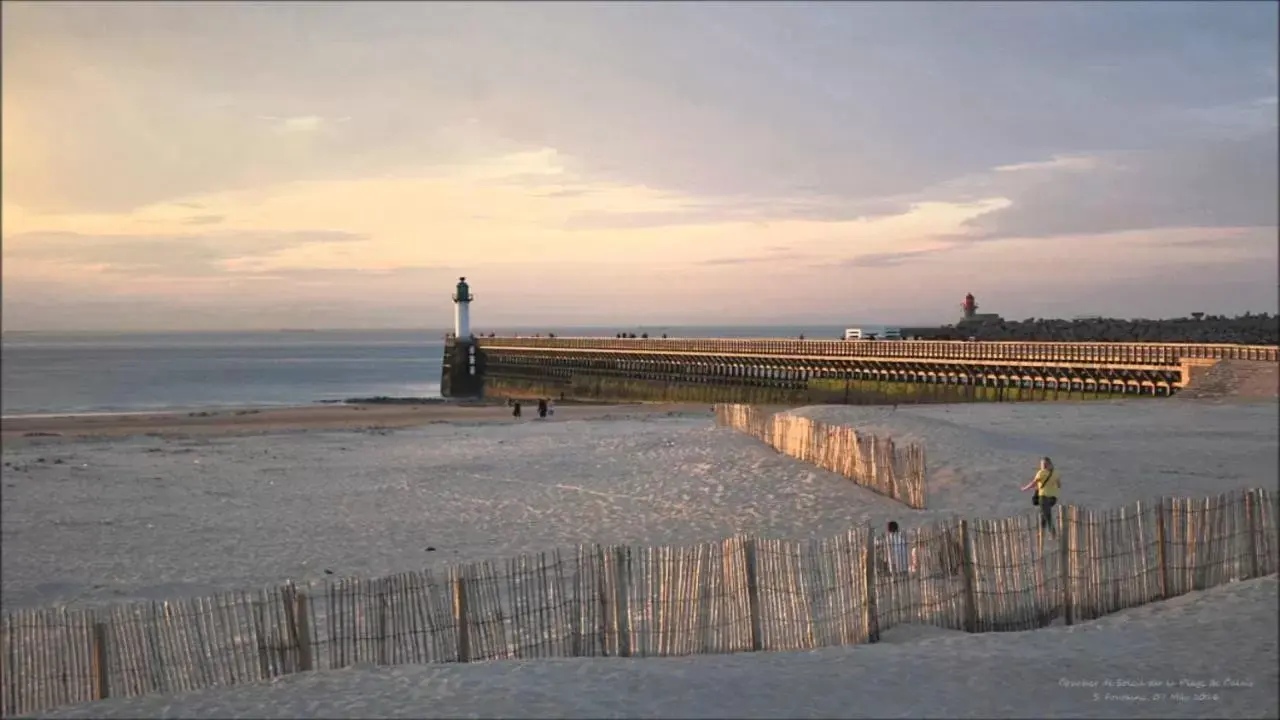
pixel 617 389
pixel 859 392
pixel 461 369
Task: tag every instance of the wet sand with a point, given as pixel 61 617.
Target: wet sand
pixel 21 430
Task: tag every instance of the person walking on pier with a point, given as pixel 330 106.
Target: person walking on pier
pixel 1046 484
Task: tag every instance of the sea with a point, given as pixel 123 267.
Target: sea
pixel 45 373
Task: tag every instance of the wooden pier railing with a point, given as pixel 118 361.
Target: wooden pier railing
pixel 1169 354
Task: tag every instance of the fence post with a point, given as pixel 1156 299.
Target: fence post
pixel 576 609
pixel 924 477
pixel 302 625
pixel 622 606
pixel 101 689
pixel 1251 512
pixel 891 465
pixel 383 592
pixel 603 586
pixel 918 477
pixel 460 615
pixel 875 465
pixel 1162 555
pixel 259 630
pixel 970 595
pixel 751 560
pixel 871 605
pixel 1064 560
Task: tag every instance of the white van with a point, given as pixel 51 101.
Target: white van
pixel 873 333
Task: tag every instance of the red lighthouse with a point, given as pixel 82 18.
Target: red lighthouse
pixel 969 306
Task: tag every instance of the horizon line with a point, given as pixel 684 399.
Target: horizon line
pixel 542 327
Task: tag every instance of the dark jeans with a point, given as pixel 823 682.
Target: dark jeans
pixel 1046 512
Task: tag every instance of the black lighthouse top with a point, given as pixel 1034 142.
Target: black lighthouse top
pixel 463 292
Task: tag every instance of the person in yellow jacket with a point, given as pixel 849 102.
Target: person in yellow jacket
pixel 1047 484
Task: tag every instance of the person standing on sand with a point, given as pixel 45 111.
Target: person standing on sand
pixel 1047 484
pixel 515 409
pixel 542 408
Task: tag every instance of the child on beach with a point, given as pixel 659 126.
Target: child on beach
pixel 895 555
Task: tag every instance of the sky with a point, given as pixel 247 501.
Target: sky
pixel 257 165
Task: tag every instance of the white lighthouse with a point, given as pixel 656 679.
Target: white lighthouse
pixel 462 298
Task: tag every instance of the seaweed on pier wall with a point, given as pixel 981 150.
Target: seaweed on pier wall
pixel 884 392
pixel 609 388
pixel 824 391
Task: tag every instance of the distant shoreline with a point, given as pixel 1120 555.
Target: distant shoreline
pixel 389 414
pixel 245 409
pixel 228 408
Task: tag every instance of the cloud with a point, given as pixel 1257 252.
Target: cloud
pixel 621 220
pixel 688 211
pixel 165 99
pixel 160 255
pixel 1228 239
pixel 204 220
pixel 1230 182
pixel 1056 163
pixel 1230 287
pixel 564 193
pixel 879 260
pixel 300 124
pixel 907 141
pixel 871 132
pixel 781 254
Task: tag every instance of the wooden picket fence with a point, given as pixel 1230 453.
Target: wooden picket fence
pixel 735 595
pixel 875 463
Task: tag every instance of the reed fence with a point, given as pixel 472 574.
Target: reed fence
pixel 739 594
pixel 875 463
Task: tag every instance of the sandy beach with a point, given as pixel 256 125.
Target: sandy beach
pixel 337 416
pixel 152 506
pixel 107 509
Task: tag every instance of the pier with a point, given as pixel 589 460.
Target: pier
pixel 820 371
pixel 831 371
